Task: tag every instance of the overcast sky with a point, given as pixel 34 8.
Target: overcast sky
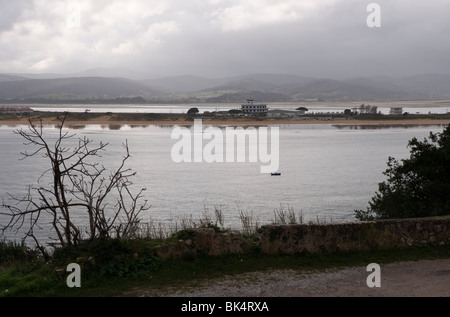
pixel 214 38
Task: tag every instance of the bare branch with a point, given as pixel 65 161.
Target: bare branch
pixel 78 187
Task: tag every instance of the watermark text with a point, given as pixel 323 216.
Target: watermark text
pixel 232 144
pixel 73 15
pixel 374 278
pixel 374 18
pixel 74 278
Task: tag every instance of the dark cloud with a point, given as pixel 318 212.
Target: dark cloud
pixel 11 12
pixel 322 38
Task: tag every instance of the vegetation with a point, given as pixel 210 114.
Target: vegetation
pixel 417 186
pixel 123 268
pixel 234 111
pixel 76 184
pixel 193 111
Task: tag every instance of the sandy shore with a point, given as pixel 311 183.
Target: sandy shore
pixel 116 119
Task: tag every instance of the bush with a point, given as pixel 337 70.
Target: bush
pixel 13 252
pixel 193 111
pixel 415 187
pixel 109 258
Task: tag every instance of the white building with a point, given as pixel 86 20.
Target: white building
pixel 396 110
pixel 279 113
pixel 252 108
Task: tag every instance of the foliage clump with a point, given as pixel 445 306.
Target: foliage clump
pixel 415 187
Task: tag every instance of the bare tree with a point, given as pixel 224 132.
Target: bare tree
pixel 77 186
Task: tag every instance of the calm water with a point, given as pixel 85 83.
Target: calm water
pixel 327 171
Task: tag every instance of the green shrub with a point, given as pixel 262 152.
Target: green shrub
pixel 110 257
pixel 415 187
pixel 13 252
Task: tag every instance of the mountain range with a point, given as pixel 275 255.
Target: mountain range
pixel 110 84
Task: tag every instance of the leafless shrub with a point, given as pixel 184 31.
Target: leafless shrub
pixel 219 216
pixel 284 217
pixel 249 224
pixel 77 184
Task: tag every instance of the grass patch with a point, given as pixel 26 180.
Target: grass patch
pixel 121 266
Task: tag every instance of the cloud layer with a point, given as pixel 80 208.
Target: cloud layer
pixel 326 38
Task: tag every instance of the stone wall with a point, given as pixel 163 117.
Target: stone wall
pixel 355 236
pixel 315 238
pixel 205 241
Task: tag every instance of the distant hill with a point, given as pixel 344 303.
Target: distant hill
pixel 328 89
pixel 240 97
pixel 433 85
pixel 297 88
pixel 110 73
pixel 182 84
pixel 7 77
pixel 74 88
pixel 189 88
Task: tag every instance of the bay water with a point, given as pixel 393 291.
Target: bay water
pixel 327 171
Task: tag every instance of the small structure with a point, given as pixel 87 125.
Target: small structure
pixel 18 110
pixel 396 111
pixel 279 113
pixel 251 108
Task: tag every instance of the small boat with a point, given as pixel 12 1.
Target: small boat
pixel 275 174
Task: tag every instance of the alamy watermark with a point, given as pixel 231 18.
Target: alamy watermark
pixel 74 278
pixel 374 18
pixel 374 278
pixel 73 19
pixel 231 144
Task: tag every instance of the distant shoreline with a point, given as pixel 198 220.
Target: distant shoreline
pixel 182 119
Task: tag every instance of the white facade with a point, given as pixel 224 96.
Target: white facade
pixel 396 110
pixel 250 107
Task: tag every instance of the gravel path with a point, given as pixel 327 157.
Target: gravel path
pixel 424 278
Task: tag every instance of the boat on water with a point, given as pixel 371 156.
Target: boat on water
pixel 275 174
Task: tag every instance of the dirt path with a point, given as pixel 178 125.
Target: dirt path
pixel 425 278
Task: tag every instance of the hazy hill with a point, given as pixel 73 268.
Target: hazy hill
pixel 328 89
pixel 182 84
pixel 433 85
pixel 93 72
pixel 82 87
pixel 114 83
pixel 240 97
pixel 8 77
pixel 297 88
pixel 244 84
pixel 190 83
pixel 278 79
pixel 117 72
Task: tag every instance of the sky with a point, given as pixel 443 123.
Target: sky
pixel 217 38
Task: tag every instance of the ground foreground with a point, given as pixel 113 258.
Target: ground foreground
pixel 423 278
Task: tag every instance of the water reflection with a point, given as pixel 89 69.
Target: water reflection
pixel 76 126
pixel 115 126
pixel 118 126
pixel 383 126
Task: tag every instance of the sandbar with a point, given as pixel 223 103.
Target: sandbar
pixel 160 119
